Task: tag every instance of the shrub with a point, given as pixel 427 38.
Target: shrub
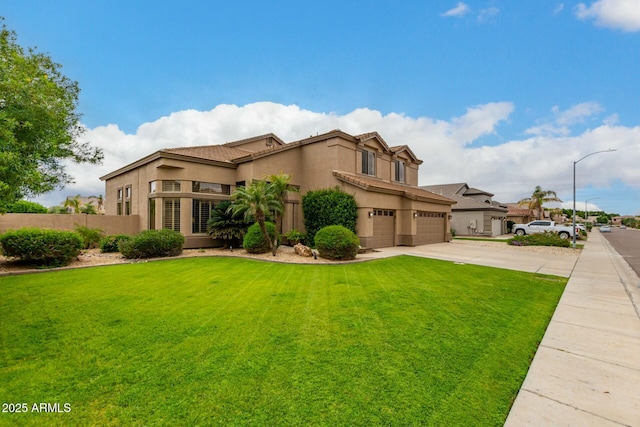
pixel 110 243
pixel 337 242
pixel 50 248
pixel 330 206
pixel 254 241
pixel 540 239
pixel 226 225
pixel 90 236
pixel 294 237
pixel 152 244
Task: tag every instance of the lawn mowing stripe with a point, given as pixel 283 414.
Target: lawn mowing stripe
pixel 385 342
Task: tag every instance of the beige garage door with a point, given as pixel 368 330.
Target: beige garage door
pixel 430 228
pixel 384 230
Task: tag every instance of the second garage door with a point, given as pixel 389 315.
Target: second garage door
pixel 430 228
pixel 384 228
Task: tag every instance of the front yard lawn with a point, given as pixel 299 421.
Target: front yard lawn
pixel 227 341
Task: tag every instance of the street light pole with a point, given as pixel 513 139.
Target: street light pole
pixel 574 188
pixel 585 207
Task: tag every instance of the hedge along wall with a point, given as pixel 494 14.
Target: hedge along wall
pixel 109 224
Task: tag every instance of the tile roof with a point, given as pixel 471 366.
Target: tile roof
pixel 452 191
pixel 222 153
pixel 379 186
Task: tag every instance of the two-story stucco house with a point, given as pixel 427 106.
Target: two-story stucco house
pixel 177 188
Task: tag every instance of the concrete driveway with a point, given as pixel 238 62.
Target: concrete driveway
pixel 554 261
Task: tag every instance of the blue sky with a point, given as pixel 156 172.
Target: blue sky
pixel 502 95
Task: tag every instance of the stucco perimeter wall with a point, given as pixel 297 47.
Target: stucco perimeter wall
pixel 109 224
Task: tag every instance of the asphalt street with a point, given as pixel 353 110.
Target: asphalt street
pixel 627 244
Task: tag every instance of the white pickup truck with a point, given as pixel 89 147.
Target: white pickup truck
pixel 540 226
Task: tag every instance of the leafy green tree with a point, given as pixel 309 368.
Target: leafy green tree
pixel 258 201
pixel 538 199
pixel 39 123
pixel 226 225
pixel 25 206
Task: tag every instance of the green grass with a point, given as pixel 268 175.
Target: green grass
pixel 217 341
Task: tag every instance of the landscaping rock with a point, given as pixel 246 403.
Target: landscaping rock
pixel 302 250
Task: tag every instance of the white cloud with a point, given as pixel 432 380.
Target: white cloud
pixel 618 14
pixel 461 9
pixel 559 8
pixel 563 120
pixel 488 13
pixel 509 170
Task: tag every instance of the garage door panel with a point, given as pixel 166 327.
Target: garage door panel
pixel 430 228
pixel 384 228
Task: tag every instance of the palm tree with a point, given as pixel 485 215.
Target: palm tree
pixel 279 186
pixel 257 201
pixel 538 198
pixel 73 203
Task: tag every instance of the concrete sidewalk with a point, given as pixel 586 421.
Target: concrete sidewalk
pixel 586 371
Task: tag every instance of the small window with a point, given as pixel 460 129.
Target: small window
pixel 400 171
pixel 210 188
pixel 119 194
pixel 171 186
pixel 368 162
pixel 153 186
pixel 171 214
pixel 127 207
pixel 119 208
pixel 200 214
pixel 127 192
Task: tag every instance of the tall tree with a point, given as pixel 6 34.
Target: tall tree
pixel 279 186
pixel 39 123
pixel 257 201
pixel 538 199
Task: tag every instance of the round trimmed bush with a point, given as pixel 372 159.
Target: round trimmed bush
pixel 337 242
pixel 254 241
pixel 50 248
pixel 152 244
pixel 110 243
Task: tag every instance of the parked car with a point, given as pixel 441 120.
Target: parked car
pixel 605 229
pixel 540 226
pixel 622 227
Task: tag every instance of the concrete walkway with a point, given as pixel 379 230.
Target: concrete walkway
pixel 586 371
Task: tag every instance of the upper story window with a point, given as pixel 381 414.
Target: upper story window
pixel 210 187
pixel 127 192
pixel 171 186
pixel 400 171
pixel 153 186
pixel 119 194
pixel 368 162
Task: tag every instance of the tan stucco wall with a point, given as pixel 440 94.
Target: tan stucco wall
pixel 109 224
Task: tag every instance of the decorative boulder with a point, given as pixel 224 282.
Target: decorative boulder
pixel 302 250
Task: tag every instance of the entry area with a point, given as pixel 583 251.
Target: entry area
pixel 430 228
pixel 384 228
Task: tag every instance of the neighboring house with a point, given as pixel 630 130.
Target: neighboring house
pixel 177 188
pixel 519 214
pixel 474 213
